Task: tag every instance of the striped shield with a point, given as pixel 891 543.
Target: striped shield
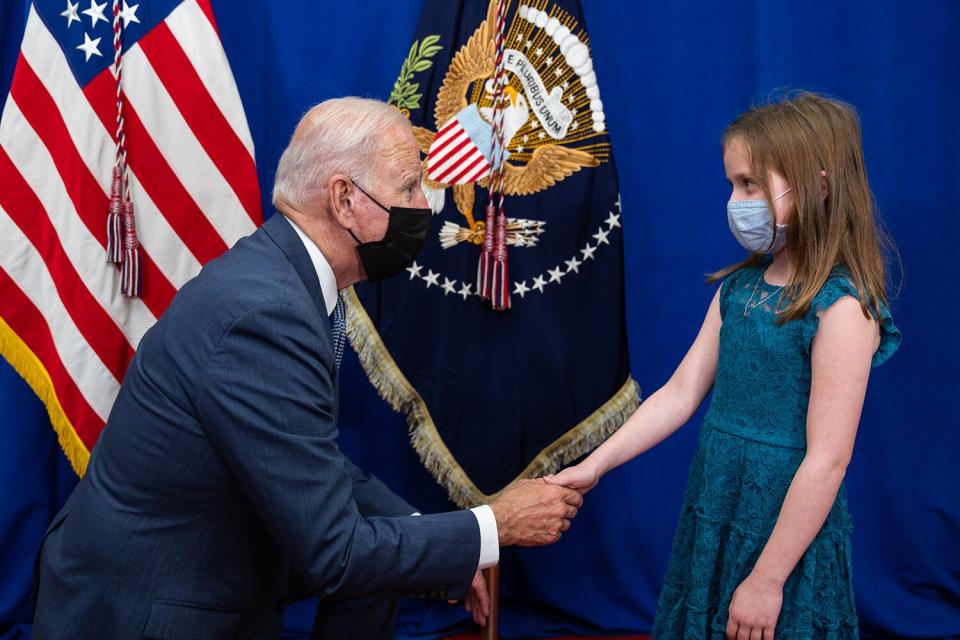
pixel 460 154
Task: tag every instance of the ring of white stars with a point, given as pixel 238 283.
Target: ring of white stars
pixel 542 281
pixel 449 286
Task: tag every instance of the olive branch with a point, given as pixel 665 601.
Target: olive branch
pixel 404 94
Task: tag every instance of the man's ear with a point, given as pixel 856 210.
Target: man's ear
pixel 824 185
pixel 342 198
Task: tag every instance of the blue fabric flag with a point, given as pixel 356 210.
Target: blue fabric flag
pixel 491 395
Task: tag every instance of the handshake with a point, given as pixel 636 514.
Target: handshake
pixel 532 513
pixel 536 512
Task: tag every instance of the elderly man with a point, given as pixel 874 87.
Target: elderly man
pixel 217 482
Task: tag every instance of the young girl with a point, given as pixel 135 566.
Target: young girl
pixel 763 545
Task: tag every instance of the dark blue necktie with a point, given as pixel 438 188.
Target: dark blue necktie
pixel 338 324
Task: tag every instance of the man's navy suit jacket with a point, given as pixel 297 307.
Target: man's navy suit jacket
pixel 217 481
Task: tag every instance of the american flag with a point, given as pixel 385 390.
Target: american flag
pixel 64 324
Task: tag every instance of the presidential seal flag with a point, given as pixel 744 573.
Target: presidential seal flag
pixel 505 342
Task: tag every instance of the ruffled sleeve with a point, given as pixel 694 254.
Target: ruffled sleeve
pixel 727 287
pixel 839 286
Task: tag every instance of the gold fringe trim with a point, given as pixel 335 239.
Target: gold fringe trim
pixel 397 391
pixel 28 365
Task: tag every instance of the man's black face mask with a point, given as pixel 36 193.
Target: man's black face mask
pixel 406 233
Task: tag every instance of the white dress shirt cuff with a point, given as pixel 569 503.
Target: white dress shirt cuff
pixel 489 537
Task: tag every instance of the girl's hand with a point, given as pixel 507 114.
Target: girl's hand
pixel 755 609
pixel 581 477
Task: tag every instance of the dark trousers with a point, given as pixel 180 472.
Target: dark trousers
pixel 364 618
pixel 371 618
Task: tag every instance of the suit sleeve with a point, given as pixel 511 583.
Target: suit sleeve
pixel 374 498
pixel 266 403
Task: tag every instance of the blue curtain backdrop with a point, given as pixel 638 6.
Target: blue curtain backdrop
pixel 672 74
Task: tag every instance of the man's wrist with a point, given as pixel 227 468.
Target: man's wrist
pixel 503 531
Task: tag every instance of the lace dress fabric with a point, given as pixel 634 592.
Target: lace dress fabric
pixel 751 443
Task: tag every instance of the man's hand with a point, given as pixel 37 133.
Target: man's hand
pixel 532 513
pixel 478 600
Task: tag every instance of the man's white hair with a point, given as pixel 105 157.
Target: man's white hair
pixel 340 135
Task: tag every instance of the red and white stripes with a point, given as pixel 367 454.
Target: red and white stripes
pixel 454 157
pixel 178 129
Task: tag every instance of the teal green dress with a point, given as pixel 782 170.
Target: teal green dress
pixel 752 442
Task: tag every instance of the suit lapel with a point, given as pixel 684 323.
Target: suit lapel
pixel 282 233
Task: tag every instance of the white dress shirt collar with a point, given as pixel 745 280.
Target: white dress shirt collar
pixel 328 281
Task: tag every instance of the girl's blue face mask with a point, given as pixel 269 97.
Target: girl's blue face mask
pixel 752 225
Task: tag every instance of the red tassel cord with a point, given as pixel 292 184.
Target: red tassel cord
pixel 114 219
pixel 130 270
pixel 123 246
pixel 501 274
pixel 488 258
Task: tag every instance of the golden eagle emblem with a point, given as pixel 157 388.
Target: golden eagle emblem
pixel 553 119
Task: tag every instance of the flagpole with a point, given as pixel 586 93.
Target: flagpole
pixel 490 629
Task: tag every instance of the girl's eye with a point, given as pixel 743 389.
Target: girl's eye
pixel 747 183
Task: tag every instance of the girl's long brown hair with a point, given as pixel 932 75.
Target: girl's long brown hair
pixel 799 137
